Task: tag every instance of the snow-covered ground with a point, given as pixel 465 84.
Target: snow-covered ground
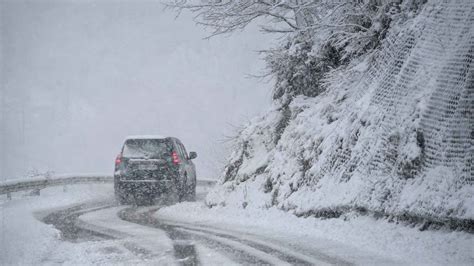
pixel 25 240
pixel 353 238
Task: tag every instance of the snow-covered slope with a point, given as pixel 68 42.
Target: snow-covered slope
pixel 392 134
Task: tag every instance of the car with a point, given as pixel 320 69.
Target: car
pixel 149 168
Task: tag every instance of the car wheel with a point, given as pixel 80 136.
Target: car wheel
pixel 121 199
pixel 182 190
pixel 191 193
pixel 181 195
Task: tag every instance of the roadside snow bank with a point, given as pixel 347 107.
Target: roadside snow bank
pixel 353 238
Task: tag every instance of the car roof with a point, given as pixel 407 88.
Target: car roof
pixel 145 137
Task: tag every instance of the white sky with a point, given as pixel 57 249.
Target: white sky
pixel 78 76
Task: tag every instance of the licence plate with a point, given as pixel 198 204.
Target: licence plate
pixel 147 167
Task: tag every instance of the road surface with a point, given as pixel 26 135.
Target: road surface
pixel 151 239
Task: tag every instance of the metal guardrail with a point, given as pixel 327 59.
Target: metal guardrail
pixel 41 183
pixel 11 186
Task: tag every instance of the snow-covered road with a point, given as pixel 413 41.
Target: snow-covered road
pixel 169 242
pixel 83 225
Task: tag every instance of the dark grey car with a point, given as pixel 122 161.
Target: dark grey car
pixel 151 167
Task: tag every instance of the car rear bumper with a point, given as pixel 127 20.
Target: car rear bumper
pixel 143 186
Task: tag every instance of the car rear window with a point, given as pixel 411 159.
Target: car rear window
pixel 147 148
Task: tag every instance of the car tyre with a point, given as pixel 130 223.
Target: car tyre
pixel 182 189
pixel 121 199
pixel 191 193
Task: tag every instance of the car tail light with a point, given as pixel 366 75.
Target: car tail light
pixel 175 157
pixel 118 160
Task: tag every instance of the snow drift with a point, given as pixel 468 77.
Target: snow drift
pixel 392 133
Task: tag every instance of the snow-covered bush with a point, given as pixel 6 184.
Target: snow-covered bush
pixel 320 35
pixel 299 68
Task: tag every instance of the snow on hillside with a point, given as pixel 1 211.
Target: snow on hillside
pixel 391 134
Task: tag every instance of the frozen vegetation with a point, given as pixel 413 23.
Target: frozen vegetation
pixel 372 111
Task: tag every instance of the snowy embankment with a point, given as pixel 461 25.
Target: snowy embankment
pixel 357 239
pixel 391 135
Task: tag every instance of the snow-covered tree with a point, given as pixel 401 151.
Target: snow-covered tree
pixel 320 34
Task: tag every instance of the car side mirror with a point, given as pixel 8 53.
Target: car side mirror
pixel 192 155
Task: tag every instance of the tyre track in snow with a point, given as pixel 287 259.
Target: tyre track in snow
pixel 240 249
pixel 185 251
pixel 295 255
pixel 65 220
pixel 184 236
